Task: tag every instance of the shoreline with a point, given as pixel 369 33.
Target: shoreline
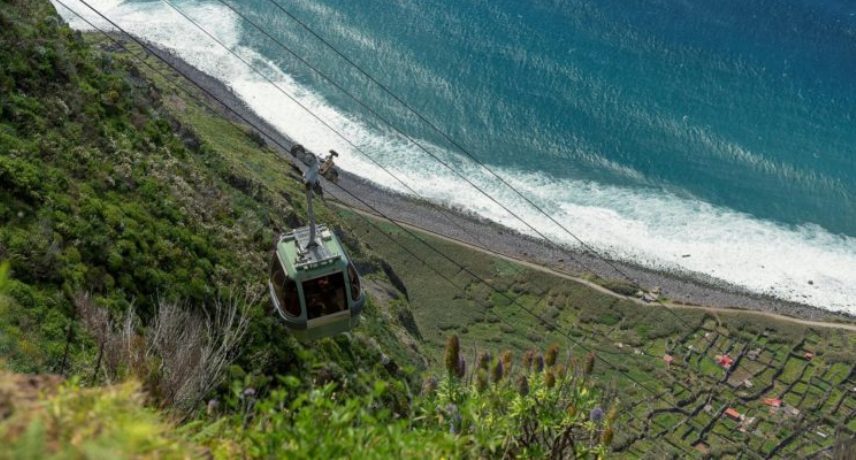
pixel 683 290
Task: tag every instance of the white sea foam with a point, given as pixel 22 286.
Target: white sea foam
pixel 650 227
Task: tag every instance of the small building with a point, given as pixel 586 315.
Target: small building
pixel 808 356
pixel 668 359
pixel 724 361
pixel 732 413
pixel 753 354
pixel 773 402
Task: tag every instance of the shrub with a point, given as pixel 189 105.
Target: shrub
pixel 181 356
pixel 109 422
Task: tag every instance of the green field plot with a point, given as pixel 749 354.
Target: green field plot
pixel 792 399
pixel 666 421
pixel 820 384
pixel 800 388
pixel 779 354
pixel 702 419
pixel 835 395
pixel 814 397
pixel 849 404
pixel 687 431
pixel 725 426
pixel 769 445
pixel 764 378
pixel 754 367
pixel 793 369
pixel 656 347
pixel 837 373
pixel 680 392
pixel 812 368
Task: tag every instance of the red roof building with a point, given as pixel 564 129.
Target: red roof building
pixel 773 402
pixel 732 413
pixel 725 361
pixel 808 355
pixel 668 359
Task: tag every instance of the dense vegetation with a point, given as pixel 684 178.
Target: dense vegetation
pixel 103 191
pixel 108 197
pixel 539 407
pixel 119 202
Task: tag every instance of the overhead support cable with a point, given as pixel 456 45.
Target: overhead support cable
pixel 512 300
pixel 636 285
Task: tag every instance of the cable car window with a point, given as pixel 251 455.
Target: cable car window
pixel 355 282
pixel 285 289
pixel 325 295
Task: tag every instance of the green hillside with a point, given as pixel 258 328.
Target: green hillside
pixel 130 214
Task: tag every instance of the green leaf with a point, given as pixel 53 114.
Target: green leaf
pixel 4 274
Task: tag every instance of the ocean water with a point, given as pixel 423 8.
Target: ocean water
pixel 709 137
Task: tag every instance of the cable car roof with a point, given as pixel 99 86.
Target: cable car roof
pixel 299 261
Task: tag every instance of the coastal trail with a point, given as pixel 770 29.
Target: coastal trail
pixel 590 284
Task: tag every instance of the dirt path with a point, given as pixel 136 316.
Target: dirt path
pixel 599 288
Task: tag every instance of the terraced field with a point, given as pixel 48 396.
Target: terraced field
pixel 668 409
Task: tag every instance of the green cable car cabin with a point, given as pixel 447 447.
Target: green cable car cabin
pixel 313 284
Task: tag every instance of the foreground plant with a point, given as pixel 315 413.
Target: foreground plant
pixel 180 356
pixel 543 410
pixel 108 422
pixel 497 410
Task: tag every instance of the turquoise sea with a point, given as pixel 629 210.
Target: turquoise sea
pixel 708 137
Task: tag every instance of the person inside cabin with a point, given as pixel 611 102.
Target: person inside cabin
pixel 324 296
pixel 337 296
pixel 324 293
pixel 315 301
pixel 333 295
